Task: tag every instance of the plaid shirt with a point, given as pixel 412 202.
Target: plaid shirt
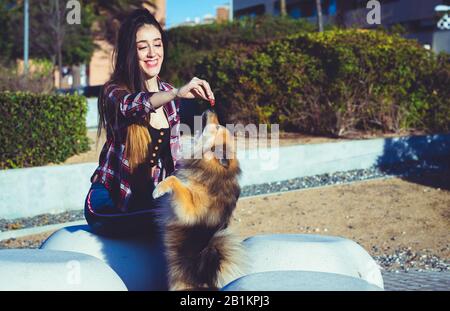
pixel 113 170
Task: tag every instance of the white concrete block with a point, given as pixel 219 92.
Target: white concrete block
pixel 140 263
pixel 309 252
pixel 299 281
pixel 49 270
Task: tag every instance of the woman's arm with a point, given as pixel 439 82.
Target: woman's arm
pixel 142 103
pixel 161 98
pixel 139 104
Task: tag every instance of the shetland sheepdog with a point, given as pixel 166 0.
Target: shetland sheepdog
pixel 202 253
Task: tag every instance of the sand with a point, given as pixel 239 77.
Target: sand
pixel 381 215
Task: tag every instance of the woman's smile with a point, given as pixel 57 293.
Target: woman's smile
pixel 151 63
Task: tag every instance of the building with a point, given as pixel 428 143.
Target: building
pixel 222 15
pixel 418 17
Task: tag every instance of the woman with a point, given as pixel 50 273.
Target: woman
pixel 140 114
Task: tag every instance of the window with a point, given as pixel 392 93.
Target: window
pixel 251 11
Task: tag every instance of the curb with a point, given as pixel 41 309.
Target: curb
pixel 37 230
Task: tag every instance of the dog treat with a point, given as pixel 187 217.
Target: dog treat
pixel 212 102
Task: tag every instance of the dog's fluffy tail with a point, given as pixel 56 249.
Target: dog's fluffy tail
pixel 202 257
pixel 226 248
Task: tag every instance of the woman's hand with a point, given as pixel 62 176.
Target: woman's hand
pixel 196 88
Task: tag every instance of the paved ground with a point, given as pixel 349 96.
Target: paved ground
pixel 417 280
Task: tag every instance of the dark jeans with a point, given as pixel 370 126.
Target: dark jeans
pixel 105 219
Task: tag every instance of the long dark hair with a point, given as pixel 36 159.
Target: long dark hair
pixel 129 75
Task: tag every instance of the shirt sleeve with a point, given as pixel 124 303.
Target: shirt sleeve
pixel 131 105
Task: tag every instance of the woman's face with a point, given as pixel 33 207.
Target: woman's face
pixel 150 50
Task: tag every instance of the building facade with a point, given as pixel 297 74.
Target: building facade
pixel 418 17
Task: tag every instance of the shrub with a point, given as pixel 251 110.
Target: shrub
pixel 333 83
pixel 37 129
pixel 188 45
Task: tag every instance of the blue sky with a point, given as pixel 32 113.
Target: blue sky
pixel 179 10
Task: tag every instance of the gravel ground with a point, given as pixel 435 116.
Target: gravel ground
pixel 40 220
pixel 406 260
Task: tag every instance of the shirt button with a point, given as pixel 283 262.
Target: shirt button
pixel 152 161
pixel 156 147
pixel 162 133
pixel 159 140
pixel 154 154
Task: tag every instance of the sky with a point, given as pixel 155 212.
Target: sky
pixel 179 10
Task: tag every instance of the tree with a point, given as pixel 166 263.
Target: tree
pixel 111 12
pixel 51 35
pixel 52 38
pixel 7 11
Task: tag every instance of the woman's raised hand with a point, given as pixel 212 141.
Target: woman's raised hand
pixel 196 88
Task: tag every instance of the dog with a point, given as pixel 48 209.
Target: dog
pixel 202 253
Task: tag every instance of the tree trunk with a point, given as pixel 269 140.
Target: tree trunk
pixel 59 41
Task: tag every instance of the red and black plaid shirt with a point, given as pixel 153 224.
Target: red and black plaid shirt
pixel 113 170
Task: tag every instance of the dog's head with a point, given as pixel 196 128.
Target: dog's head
pixel 216 145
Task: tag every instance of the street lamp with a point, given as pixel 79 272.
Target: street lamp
pixel 25 35
pixel 230 13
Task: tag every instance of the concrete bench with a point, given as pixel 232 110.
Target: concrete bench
pixel 142 266
pixel 140 263
pixel 51 270
pixel 310 252
pixel 299 281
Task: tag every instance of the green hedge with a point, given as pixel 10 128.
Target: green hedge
pixel 333 83
pixel 37 129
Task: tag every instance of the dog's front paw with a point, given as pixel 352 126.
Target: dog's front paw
pixel 160 190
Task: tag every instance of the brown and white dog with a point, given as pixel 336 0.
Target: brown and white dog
pixel 201 251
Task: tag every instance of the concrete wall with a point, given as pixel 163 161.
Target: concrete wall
pixel 92 113
pixel 47 189
pixel 261 166
pixel 53 189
